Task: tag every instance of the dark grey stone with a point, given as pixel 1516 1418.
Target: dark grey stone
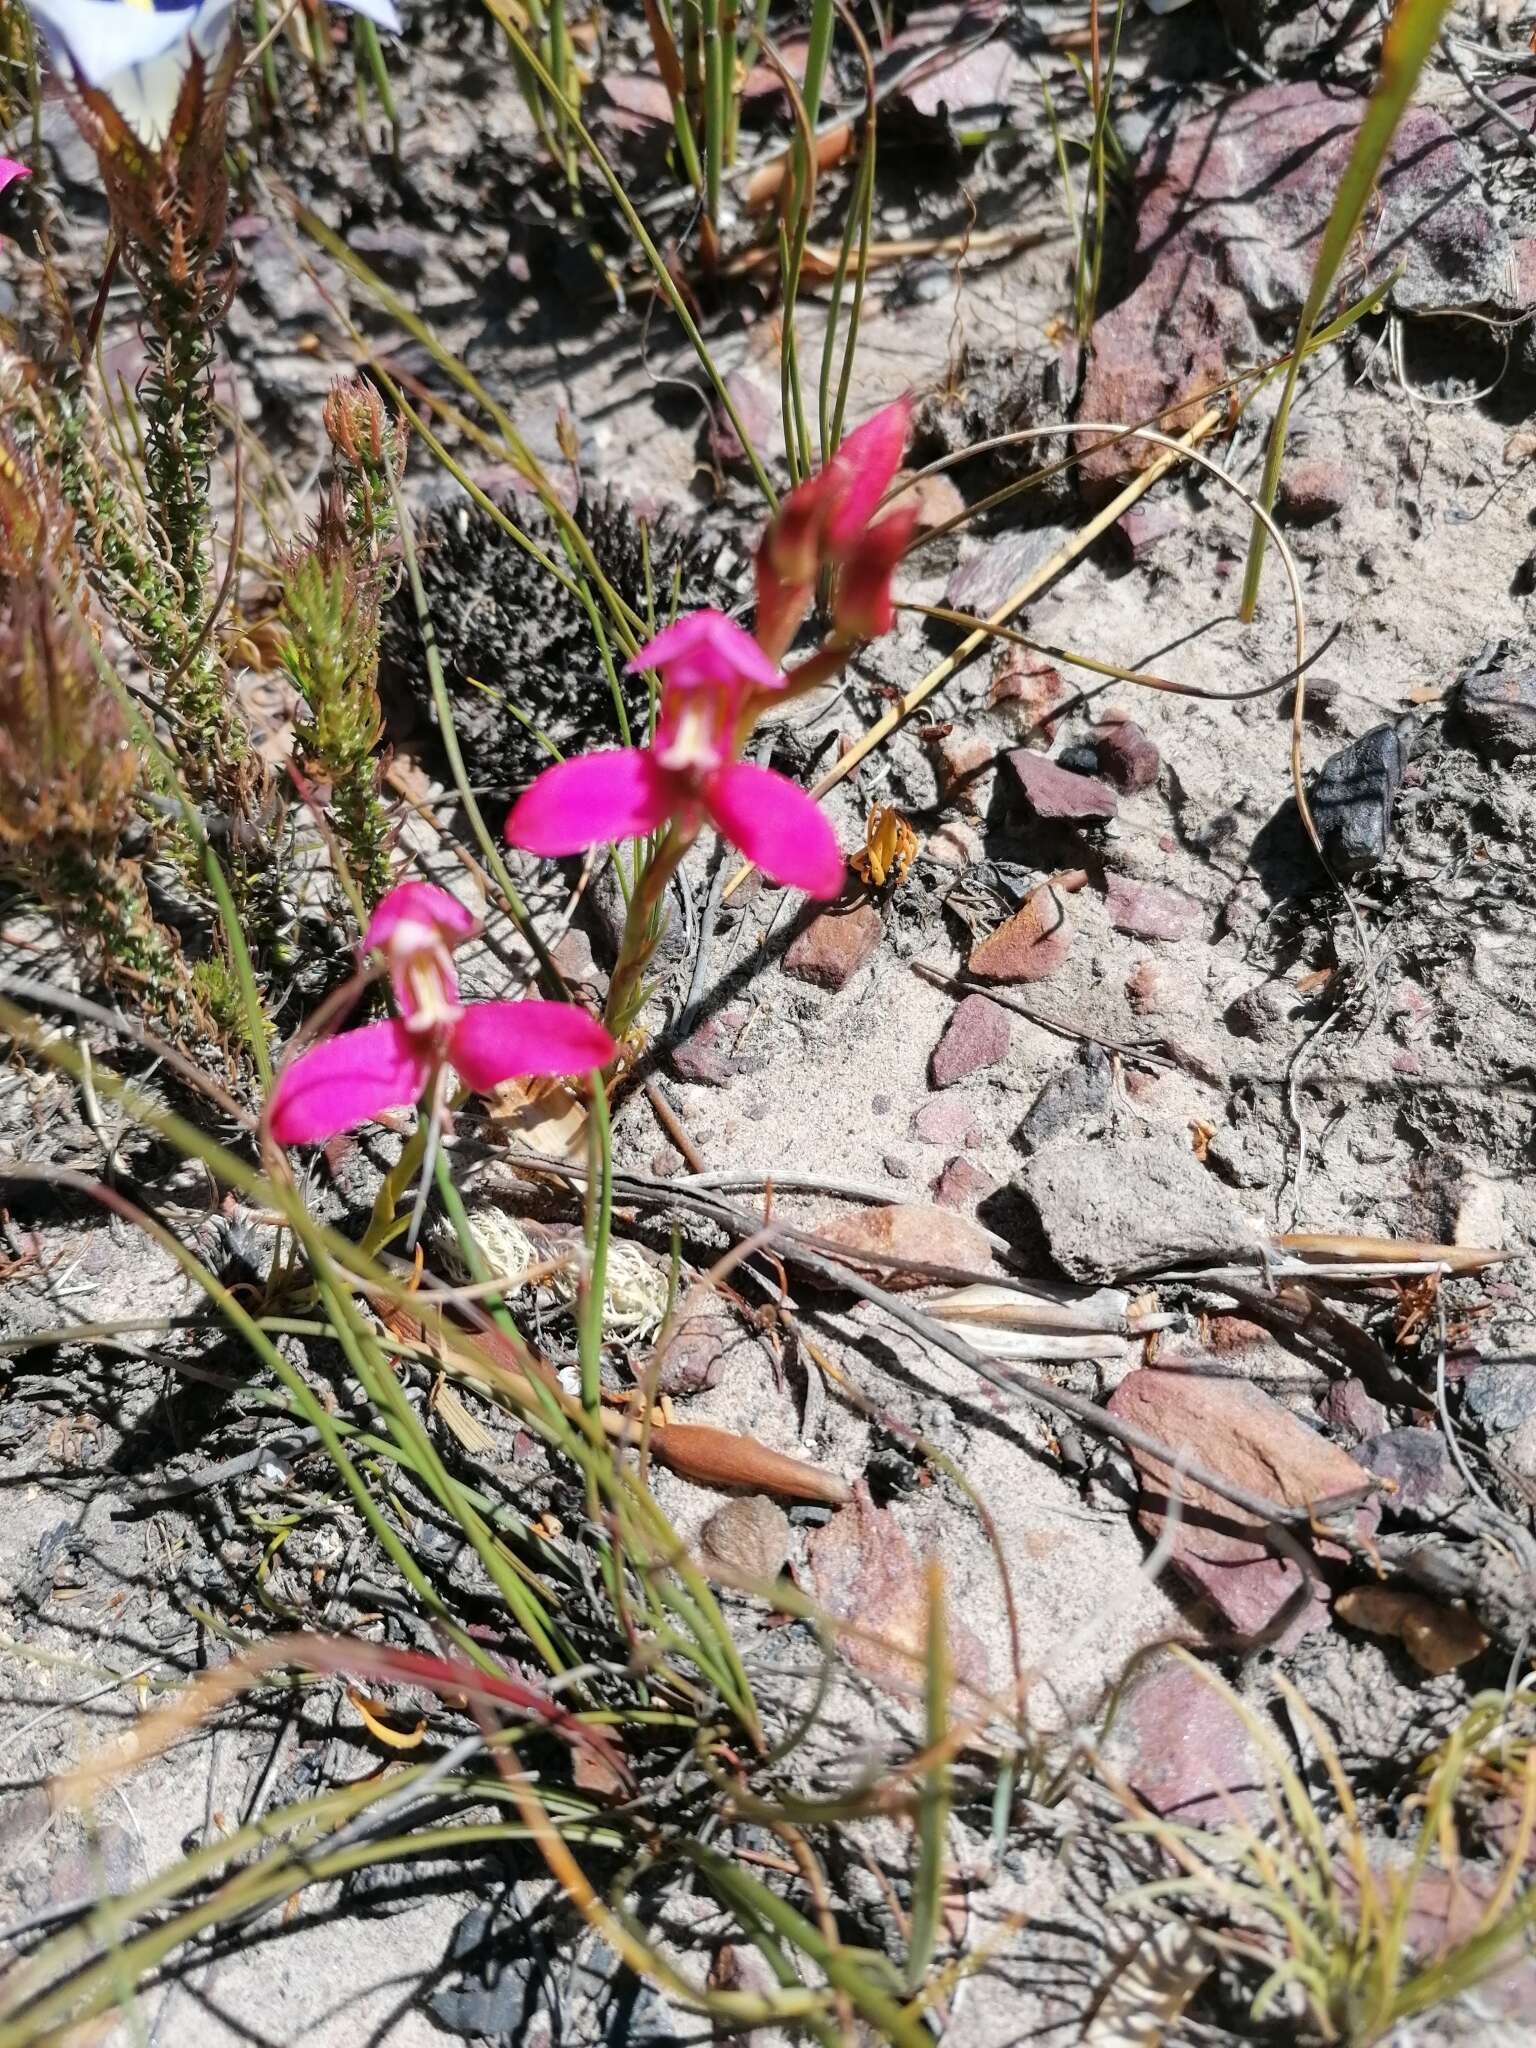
pixel 1496 703
pixel 1352 796
pixel 1078 1088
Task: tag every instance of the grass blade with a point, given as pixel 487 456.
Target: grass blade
pixel 933 1807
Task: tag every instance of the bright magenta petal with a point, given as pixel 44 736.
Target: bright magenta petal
pixel 10 170
pixel 493 1041
pixel 420 903
pixel 706 647
pixel 346 1080
pixel 777 825
pixel 617 794
pixel 864 465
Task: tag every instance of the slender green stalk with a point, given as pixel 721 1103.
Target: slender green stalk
pixel 599 1233
pixel 933 1811
pixel 563 71
pixel 1411 36
pixel 642 928
pixel 370 52
pixel 802 196
pixel 715 96
pixel 818 50
pixel 859 221
pixel 261 21
pixel 1089 273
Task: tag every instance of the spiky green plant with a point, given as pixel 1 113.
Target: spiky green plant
pixel 169 204
pixel 331 652
pixel 334 589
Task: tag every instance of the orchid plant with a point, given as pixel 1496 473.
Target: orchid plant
pixel 359 1074
pixel 716 680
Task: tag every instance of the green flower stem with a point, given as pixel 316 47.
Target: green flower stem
pixel 642 928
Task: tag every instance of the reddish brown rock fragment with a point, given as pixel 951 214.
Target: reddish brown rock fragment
pixel 1054 792
pixel 834 946
pixel 961 1185
pixel 1127 758
pixel 1234 1429
pixel 976 1036
pixel 1028 946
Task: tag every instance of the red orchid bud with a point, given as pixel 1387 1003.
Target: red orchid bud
pixel 862 609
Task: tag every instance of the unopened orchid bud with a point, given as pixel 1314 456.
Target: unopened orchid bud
pixel 862 607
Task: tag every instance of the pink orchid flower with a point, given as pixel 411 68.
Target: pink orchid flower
pixel 710 671
pixel 10 171
pixel 359 1074
pixel 825 522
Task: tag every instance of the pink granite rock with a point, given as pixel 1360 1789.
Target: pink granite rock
pixel 1147 910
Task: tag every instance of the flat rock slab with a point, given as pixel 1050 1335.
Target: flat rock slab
pixel 865 1574
pixel 1028 946
pixel 1183 1747
pixel 1129 1206
pixel 909 1230
pixel 1252 183
pixel 976 1036
pixel 1234 1429
pixel 1230 210
pixel 1149 911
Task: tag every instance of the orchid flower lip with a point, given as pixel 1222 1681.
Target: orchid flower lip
pixel 362 1074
